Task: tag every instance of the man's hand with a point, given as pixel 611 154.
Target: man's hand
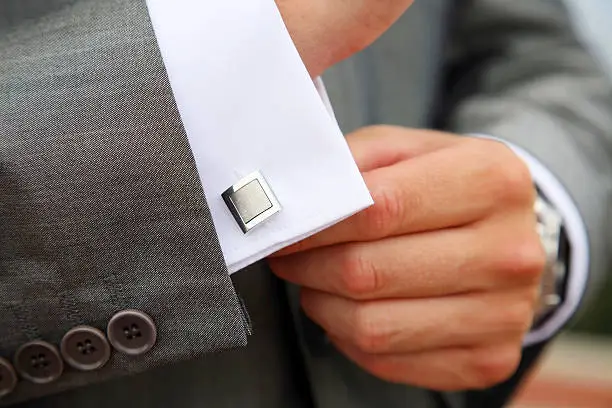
pixel 435 285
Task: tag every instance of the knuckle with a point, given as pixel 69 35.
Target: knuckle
pixel 524 258
pixel 509 175
pixel 533 295
pixel 359 277
pixel 532 259
pixel 368 333
pixel 494 366
pixel 517 317
pixel 514 179
pixel 384 215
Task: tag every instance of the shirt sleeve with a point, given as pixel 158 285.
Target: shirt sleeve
pixel 578 268
pixel 248 105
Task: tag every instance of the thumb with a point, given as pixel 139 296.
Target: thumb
pixel 379 146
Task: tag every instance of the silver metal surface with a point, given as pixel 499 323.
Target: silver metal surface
pixel 251 201
pixel 549 226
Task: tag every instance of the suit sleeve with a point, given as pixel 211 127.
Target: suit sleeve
pixel 103 220
pixel 518 72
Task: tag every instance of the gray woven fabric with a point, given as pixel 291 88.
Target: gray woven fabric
pixel 265 374
pixel 101 207
pixel 97 119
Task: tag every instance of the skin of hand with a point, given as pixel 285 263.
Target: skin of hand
pixel 328 31
pixel 435 285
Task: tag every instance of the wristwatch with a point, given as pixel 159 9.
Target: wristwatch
pixel 556 246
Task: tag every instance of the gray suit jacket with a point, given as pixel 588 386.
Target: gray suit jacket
pixel 101 209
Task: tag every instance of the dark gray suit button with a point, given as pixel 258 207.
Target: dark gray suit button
pixel 39 362
pixel 8 378
pixel 131 332
pixel 85 348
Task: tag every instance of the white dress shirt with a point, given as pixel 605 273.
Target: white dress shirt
pixel 248 104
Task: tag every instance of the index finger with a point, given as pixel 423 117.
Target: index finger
pixel 373 148
pixel 423 194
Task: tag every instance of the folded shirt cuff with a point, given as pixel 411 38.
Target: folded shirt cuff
pixel 249 105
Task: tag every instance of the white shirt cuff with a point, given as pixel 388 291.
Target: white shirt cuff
pixel 578 268
pixel 248 104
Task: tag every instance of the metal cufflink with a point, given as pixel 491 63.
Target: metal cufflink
pixel 251 201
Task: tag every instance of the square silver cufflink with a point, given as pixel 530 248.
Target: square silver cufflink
pixel 251 201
